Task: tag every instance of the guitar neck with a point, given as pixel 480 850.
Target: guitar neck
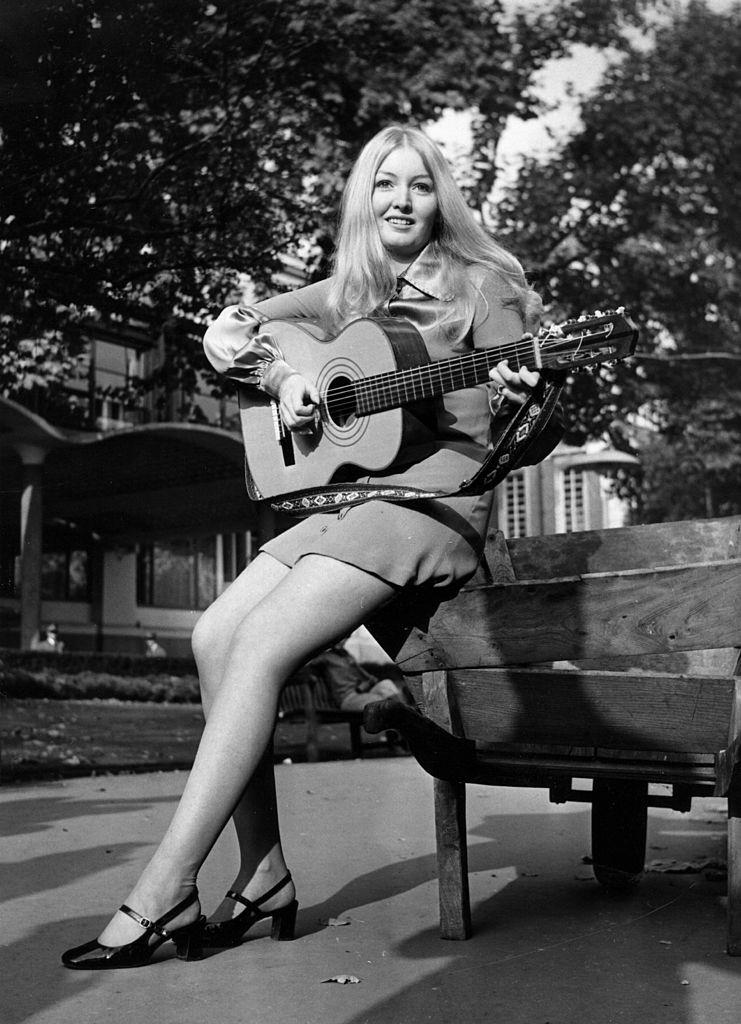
pixel 400 387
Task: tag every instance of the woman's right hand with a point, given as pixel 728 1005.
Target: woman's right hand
pixel 299 403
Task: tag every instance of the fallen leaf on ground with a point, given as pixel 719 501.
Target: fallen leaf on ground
pixel 343 979
pixel 337 922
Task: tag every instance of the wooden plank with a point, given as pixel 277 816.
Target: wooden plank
pixel 729 759
pixel 509 770
pixel 634 612
pixel 438 703
pixel 719 662
pixel 733 914
pixel 631 547
pixel 452 859
pixel 595 709
pixel 450 818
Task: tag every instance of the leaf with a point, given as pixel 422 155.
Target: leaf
pixel 337 922
pixel 343 979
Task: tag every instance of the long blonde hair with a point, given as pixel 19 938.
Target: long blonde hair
pixel 363 276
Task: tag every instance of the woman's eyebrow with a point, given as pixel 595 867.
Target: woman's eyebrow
pixel 390 174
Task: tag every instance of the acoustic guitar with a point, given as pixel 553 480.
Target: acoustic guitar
pixel 373 379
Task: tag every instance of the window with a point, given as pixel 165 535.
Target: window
pixel 65 576
pixel 10 569
pixel 189 572
pixel 236 553
pixel 574 501
pixel 515 512
pixel 177 573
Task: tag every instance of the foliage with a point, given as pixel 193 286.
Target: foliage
pixel 113 663
pixel 152 150
pixel 641 207
pixel 52 684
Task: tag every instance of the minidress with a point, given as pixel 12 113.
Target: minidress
pixel 431 542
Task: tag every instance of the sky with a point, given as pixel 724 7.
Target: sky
pixel 582 71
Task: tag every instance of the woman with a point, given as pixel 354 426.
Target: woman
pixel 408 246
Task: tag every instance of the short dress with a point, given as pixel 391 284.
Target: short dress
pixel 436 542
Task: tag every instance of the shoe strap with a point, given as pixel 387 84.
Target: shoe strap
pixel 158 926
pixel 255 904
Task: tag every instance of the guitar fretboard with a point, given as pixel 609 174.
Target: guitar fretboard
pixel 399 387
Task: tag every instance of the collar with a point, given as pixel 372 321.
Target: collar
pixel 425 274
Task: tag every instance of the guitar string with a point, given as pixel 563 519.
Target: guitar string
pixel 389 384
pixel 453 371
pixel 393 381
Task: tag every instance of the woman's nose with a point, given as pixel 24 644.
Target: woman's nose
pixel 402 200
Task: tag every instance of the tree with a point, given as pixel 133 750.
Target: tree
pixel 642 208
pixel 153 149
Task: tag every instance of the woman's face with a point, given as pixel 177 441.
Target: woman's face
pixel 404 203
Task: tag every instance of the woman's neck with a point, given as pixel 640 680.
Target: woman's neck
pixel 399 266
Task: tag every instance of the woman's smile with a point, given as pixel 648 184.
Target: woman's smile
pixel 404 203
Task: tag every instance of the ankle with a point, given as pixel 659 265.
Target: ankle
pixel 264 879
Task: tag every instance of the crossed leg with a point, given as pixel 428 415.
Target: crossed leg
pixel 287 616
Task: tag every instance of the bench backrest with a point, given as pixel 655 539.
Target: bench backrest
pixel 630 595
pixel 623 639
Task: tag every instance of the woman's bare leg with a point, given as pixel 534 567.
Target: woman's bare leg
pixel 319 600
pixel 261 860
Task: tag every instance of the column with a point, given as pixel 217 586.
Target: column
pixel 32 458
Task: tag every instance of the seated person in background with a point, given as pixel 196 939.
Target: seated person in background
pixel 51 641
pixel 154 647
pixel 352 685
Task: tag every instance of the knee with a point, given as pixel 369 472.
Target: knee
pixel 207 649
pixel 202 638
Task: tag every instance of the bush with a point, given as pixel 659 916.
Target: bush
pixel 88 685
pixel 75 662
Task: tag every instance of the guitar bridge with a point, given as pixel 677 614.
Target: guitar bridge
pixel 283 436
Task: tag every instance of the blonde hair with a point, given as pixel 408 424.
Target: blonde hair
pixel 363 276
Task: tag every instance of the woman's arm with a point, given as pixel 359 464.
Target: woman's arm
pixel 497 322
pixel 237 346
pixel 227 342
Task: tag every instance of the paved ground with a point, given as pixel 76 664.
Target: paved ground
pixel 549 946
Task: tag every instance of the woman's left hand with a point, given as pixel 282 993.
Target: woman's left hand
pixel 514 385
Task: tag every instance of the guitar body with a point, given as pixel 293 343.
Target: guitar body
pixel 280 461
pixel 377 388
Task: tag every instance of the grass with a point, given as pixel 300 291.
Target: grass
pixel 57 738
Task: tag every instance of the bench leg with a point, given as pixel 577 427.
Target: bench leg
pixel 312 735
pixel 452 860
pixel 734 867
pixel 619 818
pixel 356 740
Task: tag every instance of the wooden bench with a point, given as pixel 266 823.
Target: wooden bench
pixel 309 700
pixel 610 656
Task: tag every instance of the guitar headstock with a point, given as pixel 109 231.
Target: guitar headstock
pixel 588 340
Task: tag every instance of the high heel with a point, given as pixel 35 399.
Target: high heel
pixel 223 934
pixel 188 942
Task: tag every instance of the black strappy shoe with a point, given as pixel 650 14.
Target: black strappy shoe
pixel 223 934
pixel 188 945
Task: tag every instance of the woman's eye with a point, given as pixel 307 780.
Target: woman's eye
pixel 383 183
pixel 424 187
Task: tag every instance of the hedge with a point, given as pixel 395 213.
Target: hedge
pixel 51 685
pixel 73 662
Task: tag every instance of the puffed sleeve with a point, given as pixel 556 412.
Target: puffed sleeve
pixel 238 345
pixel 234 349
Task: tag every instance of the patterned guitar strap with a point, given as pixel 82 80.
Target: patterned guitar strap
pixel 509 450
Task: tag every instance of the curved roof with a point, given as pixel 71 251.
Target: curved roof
pixel 162 479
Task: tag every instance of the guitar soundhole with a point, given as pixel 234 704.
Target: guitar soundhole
pixel 340 401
